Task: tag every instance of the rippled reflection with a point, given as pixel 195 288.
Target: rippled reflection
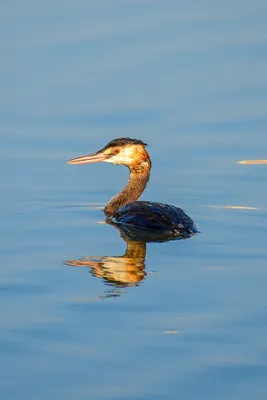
pixel 120 271
pixel 129 269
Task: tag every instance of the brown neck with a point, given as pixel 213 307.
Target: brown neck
pixel 139 176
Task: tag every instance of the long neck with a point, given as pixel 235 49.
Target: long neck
pixel 138 179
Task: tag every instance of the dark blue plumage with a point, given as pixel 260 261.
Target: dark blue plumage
pixel 149 215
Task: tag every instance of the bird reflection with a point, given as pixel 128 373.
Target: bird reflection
pixel 127 270
pixel 118 271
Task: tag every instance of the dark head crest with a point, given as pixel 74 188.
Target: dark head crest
pixel 124 142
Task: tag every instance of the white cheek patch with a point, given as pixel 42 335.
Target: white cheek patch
pixel 124 157
pixel 128 152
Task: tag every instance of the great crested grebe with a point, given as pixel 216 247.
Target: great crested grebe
pixel 123 208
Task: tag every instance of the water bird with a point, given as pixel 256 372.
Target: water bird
pixel 124 209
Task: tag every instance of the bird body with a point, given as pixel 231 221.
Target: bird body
pixel 124 209
pixel 155 216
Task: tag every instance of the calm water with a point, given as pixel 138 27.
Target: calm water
pixel 189 79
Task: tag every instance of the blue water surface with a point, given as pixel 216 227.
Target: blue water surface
pixel 188 320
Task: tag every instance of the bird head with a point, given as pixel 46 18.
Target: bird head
pixel 125 151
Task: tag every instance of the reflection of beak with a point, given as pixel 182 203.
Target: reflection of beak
pixel 89 158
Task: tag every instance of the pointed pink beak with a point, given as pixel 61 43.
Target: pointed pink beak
pixel 89 158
